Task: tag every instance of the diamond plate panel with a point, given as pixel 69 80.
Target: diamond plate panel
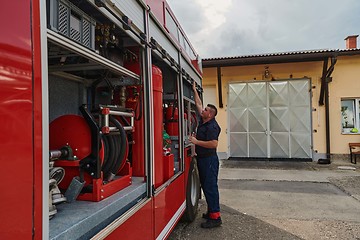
pixel 257 94
pixel 238 119
pixel 257 145
pixel 278 94
pixel 279 145
pixel 257 119
pixel 300 145
pixel 237 95
pixel 300 119
pixel 279 119
pixel 299 93
pixel 238 145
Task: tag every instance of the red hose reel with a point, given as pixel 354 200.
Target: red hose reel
pixel 74 132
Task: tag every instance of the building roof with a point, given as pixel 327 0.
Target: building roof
pixel 281 57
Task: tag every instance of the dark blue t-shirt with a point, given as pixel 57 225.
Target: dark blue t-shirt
pixel 206 132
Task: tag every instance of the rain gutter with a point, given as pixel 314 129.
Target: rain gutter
pixel 274 58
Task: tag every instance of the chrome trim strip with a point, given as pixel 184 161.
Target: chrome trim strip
pixel 44 120
pixel 172 222
pixel 120 220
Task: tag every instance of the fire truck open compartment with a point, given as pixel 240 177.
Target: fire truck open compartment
pixel 66 95
pixel 103 88
pixel 90 92
pixel 98 102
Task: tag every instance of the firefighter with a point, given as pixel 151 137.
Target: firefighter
pixel 206 142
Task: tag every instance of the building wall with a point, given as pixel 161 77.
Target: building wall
pixel 344 84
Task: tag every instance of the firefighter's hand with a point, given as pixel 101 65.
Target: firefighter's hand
pixel 193 139
pixel 194 86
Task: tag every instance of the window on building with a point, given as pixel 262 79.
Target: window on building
pixel 350 115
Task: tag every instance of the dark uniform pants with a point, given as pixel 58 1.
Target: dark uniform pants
pixel 208 171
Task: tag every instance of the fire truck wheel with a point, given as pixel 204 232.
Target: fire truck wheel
pixel 192 193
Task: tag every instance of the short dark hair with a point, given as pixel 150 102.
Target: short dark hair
pixel 213 108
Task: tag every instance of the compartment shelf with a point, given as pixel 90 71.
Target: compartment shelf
pixel 61 46
pixel 82 219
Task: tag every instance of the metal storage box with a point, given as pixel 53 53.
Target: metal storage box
pixel 68 20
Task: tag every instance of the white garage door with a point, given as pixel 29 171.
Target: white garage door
pixel 270 119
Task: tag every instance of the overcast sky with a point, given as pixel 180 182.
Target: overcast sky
pixel 223 28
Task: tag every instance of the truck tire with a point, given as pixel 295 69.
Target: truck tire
pixel 192 193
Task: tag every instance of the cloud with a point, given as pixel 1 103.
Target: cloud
pixel 232 28
pixel 188 15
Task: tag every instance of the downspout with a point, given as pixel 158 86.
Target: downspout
pixel 324 94
pixel 219 87
pixel 327 120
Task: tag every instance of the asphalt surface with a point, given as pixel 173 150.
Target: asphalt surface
pixel 283 200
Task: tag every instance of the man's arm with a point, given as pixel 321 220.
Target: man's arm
pixel 197 99
pixel 205 144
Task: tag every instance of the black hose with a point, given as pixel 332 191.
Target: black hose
pixel 111 158
pixel 117 151
pixel 121 146
pixel 114 149
pixel 106 166
pixel 125 121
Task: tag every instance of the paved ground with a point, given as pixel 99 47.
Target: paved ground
pixel 283 200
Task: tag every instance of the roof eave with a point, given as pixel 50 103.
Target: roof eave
pixel 284 58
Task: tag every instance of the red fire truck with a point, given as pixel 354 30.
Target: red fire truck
pixel 96 108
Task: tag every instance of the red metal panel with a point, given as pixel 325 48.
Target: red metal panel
pixel 168 166
pixel 139 226
pixel 157 8
pixel 167 203
pixel 16 114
